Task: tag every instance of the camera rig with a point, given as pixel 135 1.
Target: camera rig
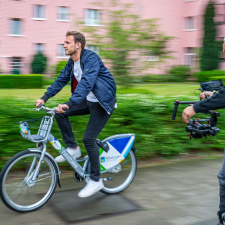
pixel 198 128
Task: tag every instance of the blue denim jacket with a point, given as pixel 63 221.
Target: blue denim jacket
pixel 96 78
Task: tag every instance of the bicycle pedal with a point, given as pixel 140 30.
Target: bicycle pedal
pixel 106 179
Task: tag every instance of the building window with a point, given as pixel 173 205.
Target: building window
pixel 152 58
pixel 39 12
pixel 63 13
pixel 61 51
pixel 190 58
pixel 16 65
pixel 92 17
pixel 38 48
pixel 93 48
pixel 16 27
pixel 189 23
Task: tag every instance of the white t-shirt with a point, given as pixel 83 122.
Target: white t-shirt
pixel 77 74
pixel 224 39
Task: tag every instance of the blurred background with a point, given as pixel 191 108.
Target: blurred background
pixel 158 51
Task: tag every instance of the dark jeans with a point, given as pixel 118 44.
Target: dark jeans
pixel 221 177
pixel 98 119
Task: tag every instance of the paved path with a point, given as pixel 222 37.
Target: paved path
pixel 177 193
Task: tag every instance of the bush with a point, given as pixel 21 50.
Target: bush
pixel 39 64
pixel 146 115
pixel 210 75
pixel 161 78
pixel 21 81
pixel 180 73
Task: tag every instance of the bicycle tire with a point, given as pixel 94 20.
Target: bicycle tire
pixel 115 183
pixel 27 196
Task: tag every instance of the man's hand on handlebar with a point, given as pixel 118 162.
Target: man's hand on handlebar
pixel 188 113
pixel 39 102
pixel 61 108
pixel 206 93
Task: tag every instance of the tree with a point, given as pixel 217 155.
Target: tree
pixel 125 40
pixel 209 58
pixel 39 64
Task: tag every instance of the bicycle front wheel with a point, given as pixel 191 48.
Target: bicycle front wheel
pixel 120 177
pixel 17 188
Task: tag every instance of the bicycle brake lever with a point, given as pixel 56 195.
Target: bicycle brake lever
pixel 37 109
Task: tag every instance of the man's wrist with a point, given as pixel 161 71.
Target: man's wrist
pixel 69 103
pixel 45 98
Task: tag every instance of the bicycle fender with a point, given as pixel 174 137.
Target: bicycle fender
pixel 53 160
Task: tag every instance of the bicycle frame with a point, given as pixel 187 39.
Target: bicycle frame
pixel 43 136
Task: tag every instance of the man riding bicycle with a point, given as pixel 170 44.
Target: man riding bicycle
pixel 93 92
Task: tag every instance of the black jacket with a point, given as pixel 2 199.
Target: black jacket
pixel 217 101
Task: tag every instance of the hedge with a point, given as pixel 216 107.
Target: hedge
pixel 24 81
pixel 161 78
pixel 210 75
pixel 146 115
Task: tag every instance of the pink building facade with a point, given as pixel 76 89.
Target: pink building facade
pixel 29 26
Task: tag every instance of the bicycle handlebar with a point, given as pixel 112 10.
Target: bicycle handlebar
pixel 48 110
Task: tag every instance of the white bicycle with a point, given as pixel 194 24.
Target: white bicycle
pixel 29 179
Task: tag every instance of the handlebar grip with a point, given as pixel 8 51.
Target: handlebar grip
pixel 176 104
pixel 65 109
pixel 41 105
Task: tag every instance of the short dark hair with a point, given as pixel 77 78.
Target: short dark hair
pixel 78 37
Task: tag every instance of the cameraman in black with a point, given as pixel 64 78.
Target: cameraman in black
pixel 214 101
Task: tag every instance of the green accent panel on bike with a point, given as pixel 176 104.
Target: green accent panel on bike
pixel 20 128
pixel 100 151
pixel 102 168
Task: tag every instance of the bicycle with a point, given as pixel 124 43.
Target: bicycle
pixel 29 179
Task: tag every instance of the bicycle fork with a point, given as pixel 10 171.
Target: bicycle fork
pixel 32 175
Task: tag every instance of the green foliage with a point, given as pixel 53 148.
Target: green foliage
pixel 39 64
pixel 181 72
pixel 176 74
pixel 210 75
pixel 209 59
pixel 140 112
pixel 21 81
pixel 59 67
pixel 125 38
pixel 161 78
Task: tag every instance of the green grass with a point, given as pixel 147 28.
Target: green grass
pixel 162 89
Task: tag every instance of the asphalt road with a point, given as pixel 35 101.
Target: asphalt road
pixel 173 193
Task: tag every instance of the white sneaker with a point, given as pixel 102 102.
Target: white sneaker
pixel 74 153
pixel 91 188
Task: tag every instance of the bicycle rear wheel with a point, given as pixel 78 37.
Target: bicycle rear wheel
pixel 120 177
pixel 18 191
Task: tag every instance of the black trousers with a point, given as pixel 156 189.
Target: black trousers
pixel 98 119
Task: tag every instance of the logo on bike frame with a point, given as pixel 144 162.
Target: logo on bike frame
pixel 110 158
pixel 102 159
